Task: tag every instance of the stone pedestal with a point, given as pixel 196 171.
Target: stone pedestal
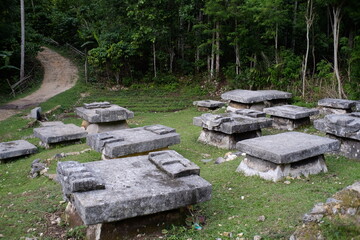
pixel 59 133
pixel 103 117
pixel 346 129
pixel 206 105
pixel 224 130
pixel 16 148
pixel 336 106
pixel 125 142
pixel 103 193
pixel 256 100
pixel 294 154
pixel 290 117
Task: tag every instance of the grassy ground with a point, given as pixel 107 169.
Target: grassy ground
pixel 26 204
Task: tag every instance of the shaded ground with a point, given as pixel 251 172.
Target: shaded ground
pixel 59 75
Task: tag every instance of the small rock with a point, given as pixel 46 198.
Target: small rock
pixel 261 218
pixel 230 156
pixel 1 235
pixel 243 154
pixel 219 160
pixel 312 217
pixel 205 155
pixel 319 208
pixel 242 197
pixel 287 182
pixel 333 200
pixel 257 237
pixel 351 211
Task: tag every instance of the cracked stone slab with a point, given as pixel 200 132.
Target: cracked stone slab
pixel 136 187
pixel 133 140
pixel 59 133
pixel 209 104
pixel 341 125
pixel 287 147
pixel 230 123
pixel 337 103
pixel 16 149
pixel 97 105
pixel 291 111
pixel 249 96
pixel 112 113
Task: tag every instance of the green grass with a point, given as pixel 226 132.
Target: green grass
pixel 237 201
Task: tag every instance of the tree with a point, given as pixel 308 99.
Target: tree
pixel 22 61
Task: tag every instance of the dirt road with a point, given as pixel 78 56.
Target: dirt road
pixel 59 75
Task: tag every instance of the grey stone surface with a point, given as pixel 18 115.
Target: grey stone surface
pixel 173 164
pixel 250 113
pixel 133 140
pixel 230 123
pixel 248 96
pixel 209 104
pixel 50 124
pixel 291 111
pixel 36 167
pixel 76 177
pixel 97 105
pixel 337 103
pixel 59 133
pixel 108 114
pixel 223 140
pixel 36 113
pixel 135 187
pixel 287 147
pixel 342 125
pixel 16 149
pixel 253 166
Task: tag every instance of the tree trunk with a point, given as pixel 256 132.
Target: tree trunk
pixel 309 20
pixel 237 59
pixel 86 66
pixel 22 60
pixel 217 42
pixel 212 55
pixel 276 43
pixel 335 28
pixel 197 58
pixel 154 58
pixel 171 60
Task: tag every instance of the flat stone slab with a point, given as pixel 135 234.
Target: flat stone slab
pixel 16 149
pixel 114 190
pixel 248 96
pixel 53 123
pixel 250 113
pixel 133 140
pixel 59 133
pixel 230 123
pixel 291 111
pixel 341 125
pixel 105 113
pixel 337 103
pixel 287 147
pixel 209 104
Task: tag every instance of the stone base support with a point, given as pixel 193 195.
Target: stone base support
pixel 225 141
pixel 253 166
pixel 51 145
pixel 289 124
pixel 259 106
pixel 349 148
pixel 328 110
pixel 104 157
pixel 206 109
pixel 104 127
pixel 132 228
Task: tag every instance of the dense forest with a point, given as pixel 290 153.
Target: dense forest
pixel 308 47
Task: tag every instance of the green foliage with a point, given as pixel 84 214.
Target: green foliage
pixel 77 233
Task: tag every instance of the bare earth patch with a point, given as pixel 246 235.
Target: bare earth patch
pixel 59 75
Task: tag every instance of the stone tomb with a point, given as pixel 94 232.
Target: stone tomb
pixel 102 193
pixel 103 117
pixel 225 130
pixel 16 148
pixel 292 154
pixel 139 140
pixel 57 132
pixel 206 105
pixel 336 106
pixel 290 117
pixel 346 129
pixel 257 100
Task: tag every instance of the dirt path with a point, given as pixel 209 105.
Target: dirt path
pixel 59 75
